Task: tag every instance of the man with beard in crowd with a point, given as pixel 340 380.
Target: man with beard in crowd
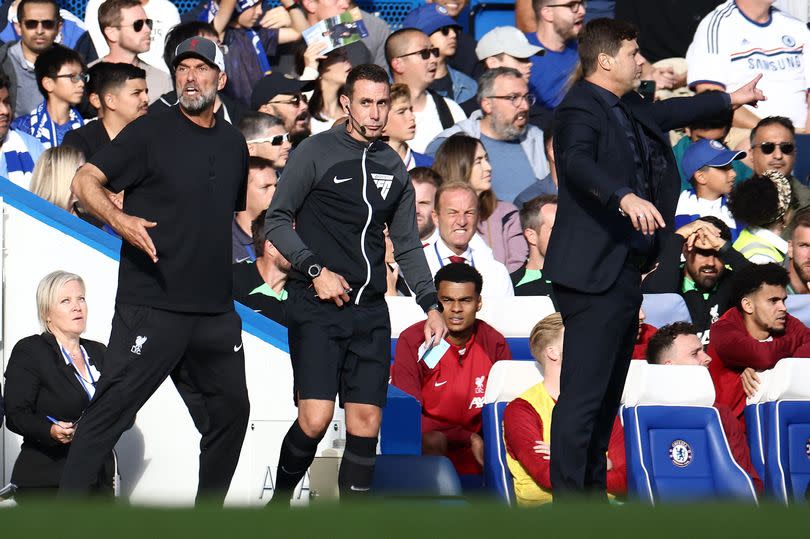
pixel 281 96
pixel 515 149
pixel 799 253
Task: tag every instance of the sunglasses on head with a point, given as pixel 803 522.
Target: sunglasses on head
pixel 32 24
pixel 276 140
pixel 423 53
pixel 768 147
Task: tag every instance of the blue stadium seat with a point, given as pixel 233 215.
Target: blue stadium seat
pixel 401 427
pixel 783 402
pixel 507 380
pixel 662 309
pixel 676 447
pixel 754 431
pixel 487 14
pixel 798 305
pixel 420 476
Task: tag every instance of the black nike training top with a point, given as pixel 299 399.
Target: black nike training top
pixel 339 193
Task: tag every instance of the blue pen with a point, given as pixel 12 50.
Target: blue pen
pixel 52 420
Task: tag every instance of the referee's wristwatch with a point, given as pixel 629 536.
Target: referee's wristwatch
pixel 438 307
pixel 314 271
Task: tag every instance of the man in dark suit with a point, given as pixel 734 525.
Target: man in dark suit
pixel 618 185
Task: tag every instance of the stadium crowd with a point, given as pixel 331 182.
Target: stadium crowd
pixel 473 122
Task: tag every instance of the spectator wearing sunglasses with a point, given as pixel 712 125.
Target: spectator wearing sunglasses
pixel 281 95
pixel 61 76
pixel 559 22
pixel 412 61
pixel 72 34
pixel 268 146
pixel 465 59
pixel 442 30
pixel 127 31
pixel 515 148
pixel 38 26
pixel 773 147
pixel 120 93
pixel 162 13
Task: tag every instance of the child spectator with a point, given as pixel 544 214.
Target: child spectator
pixel 708 165
pixel 762 203
pixel 401 128
pixel 61 76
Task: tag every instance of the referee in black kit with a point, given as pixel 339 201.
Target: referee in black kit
pixel 341 188
pixel 184 174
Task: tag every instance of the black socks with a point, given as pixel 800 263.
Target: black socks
pixel 357 468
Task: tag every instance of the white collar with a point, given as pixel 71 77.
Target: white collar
pixel 445 252
pixel 768 236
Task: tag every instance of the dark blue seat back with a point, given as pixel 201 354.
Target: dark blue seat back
pixel 497 477
pixel 754 431
pixel 680 453
pixel 412 475
pixel 787 449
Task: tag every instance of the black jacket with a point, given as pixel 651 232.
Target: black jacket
pixel 88 138
pixel 668 279
pixel 591 239
pixel 340 193
pixel 38 384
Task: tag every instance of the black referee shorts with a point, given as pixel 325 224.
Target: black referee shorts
pixel 343 351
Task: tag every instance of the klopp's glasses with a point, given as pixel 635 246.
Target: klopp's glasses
pixel 573 6
pixel 294 101
pixel 75 77
pixel 138 25
pixel 276 140
pixel 768 148
pixel 515 99
pixel 423 53
pixel 32 24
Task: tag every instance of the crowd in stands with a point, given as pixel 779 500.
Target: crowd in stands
pixel 473 121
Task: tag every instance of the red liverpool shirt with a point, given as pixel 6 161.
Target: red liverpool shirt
pixel 451 393
pixel 732 349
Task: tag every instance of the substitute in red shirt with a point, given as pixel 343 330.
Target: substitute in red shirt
pixel 756 333
pixel 450 381
pixel 679 344
pixel 527 424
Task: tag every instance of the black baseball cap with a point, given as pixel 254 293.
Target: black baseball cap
pixel 202 48
pixel 276 83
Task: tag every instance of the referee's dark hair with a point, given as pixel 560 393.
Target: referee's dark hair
pixel 458 272
pixel 371 72
pixel 662 340
pixel 749 279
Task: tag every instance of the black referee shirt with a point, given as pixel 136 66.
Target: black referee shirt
pixel 190 180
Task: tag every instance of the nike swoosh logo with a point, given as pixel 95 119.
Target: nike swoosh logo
pixel 438 384
pixel 240 260
pixel 237 348
pixel 359 489
pixel 341 180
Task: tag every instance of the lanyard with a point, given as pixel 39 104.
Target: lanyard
pixel 439 257
pixel 86 366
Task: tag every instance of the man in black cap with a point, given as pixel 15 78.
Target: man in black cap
pixel 280 95
pixel 184 175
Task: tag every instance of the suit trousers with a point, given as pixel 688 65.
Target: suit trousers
pixel 147 345
pixel 600 331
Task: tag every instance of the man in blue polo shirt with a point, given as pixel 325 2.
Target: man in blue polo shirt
pixel 558 25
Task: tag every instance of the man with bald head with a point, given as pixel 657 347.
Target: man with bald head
pixel 412 61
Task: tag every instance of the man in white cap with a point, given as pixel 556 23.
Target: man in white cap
pixel 504 46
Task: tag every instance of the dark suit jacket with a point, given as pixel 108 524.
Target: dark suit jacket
pixel 591 239
pixel 40 384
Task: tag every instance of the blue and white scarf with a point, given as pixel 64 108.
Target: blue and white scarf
pixel 19 163
pixel 40 125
